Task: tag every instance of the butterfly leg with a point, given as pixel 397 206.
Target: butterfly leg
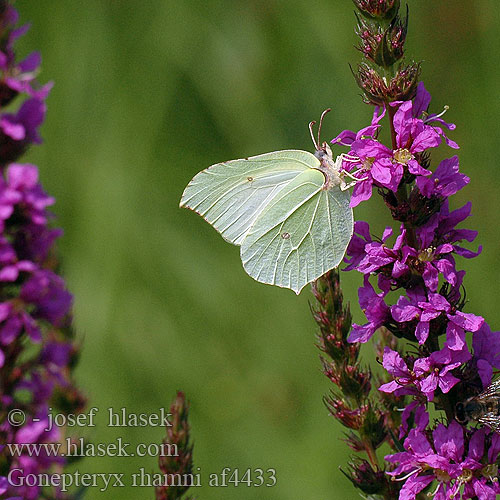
pixel 355 179
pixel 344 186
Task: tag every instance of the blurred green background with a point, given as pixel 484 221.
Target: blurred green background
pixel 149 93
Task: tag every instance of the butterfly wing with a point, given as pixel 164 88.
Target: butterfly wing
pixel 300 235
pixel 231 195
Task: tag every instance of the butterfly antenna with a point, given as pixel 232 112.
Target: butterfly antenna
pixel 321 123
pixel 311 125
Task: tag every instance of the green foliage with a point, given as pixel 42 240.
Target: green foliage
pixel 149 93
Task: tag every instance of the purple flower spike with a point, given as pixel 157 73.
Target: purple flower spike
pixel 434 354
pixel 37 345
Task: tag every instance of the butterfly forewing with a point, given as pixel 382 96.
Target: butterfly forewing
pixel 231 195
pixel 302 233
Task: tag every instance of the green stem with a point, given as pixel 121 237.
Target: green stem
pixel 372 454
pixel 391 111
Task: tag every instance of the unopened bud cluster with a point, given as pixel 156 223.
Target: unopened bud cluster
pixel 181 465
pixel 350 402
pixel 385 76
pixel 378 9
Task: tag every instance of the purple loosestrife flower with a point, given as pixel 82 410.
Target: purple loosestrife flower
pixel 18 77
pixel 368 256
pixel 426 374
pixel 376 310
pixel 34 433
pixel 441 229
pixel 382 166
pixel 420 106
pixel 445 181
pixel 445 461
pixel 486 356
pixel 416 307
pixel 20 130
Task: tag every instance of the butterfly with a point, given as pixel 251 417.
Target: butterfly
pixel 288 211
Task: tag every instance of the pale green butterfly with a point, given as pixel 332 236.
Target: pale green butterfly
pixel 287 210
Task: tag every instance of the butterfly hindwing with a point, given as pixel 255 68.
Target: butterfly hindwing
pixel 300 235
pixel 231 195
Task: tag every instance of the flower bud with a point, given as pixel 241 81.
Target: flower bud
pixel 382 47
pixel 354 442
pixel 373 429
pixel 334 319
pixel 378 91
pixel 364 477
pixel 351 418
pixel 378 9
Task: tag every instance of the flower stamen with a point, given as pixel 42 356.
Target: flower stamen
pixel 402 156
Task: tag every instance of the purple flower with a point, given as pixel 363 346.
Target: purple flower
pixel 23 126
pixel 445 181
pixel 45 295
pixel 426 375
pixel 420 106
pixel 47 292
pixel 10 266
pixel 417 307
pixel 446 461
pixel 413 136
pixel 421 417
pixel 19 77
pixel 376 310
pixel 35 305
pixel 34 433
pixel 36 241
pixel 378 255
pixel 486 346
pixel 23 178
pixel 417 463
pixel 13 321
pixel 376 166
pixel 347 137
pixel 441 229
pixel 435 370
pixel 435 261
pixel 404 379
pixel 382 166
pixel 356 248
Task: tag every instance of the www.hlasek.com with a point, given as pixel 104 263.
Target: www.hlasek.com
pixel 81 448
pixel 225 478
